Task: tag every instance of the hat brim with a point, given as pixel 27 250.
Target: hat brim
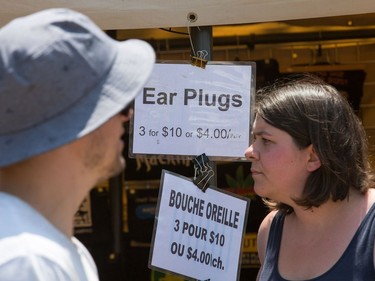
pixel 129 72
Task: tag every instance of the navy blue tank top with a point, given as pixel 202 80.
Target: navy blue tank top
pixel 356 263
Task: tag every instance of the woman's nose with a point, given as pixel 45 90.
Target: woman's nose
pixel 250 154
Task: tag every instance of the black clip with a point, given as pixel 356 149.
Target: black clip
pixel 202 172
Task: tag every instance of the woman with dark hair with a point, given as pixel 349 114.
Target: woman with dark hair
pixel 310 164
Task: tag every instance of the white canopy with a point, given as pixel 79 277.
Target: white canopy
pixel 137 14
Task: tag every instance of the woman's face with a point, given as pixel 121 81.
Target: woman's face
pixel 279 168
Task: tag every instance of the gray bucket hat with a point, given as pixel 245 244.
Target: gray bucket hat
pixel 61 77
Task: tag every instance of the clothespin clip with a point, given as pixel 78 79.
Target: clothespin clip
pixel 200 60
pixel 202 172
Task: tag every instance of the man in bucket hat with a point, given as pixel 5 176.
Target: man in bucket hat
pixel 63 87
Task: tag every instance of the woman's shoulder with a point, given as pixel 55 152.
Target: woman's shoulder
pixel 267 221
pixel 371 197
pixel 263 234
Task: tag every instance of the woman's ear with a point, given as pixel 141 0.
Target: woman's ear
pixel 313 161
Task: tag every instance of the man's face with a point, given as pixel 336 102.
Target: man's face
pixel 103 152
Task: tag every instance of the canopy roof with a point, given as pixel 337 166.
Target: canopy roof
pixel 138 14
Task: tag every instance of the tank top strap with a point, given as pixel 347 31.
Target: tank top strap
pixel 269 267
pixel 356 263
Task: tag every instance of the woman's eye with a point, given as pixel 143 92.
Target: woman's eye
pixel 265 141
pixel 261 139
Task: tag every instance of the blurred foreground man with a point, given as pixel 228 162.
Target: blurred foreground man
pixel 64 85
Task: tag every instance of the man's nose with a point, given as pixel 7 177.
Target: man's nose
pixel 128 115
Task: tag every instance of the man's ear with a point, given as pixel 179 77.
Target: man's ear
pixel 313 161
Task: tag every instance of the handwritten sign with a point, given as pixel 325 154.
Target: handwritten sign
pixel 198 234
pixel 187 110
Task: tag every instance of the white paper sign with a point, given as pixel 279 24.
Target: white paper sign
pixel 187 110
pixel 198 234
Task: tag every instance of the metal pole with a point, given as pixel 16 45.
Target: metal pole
pixel 115 201
pixel 115 194
pixel 202 39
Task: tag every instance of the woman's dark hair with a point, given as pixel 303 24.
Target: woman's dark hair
pixel 313 112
